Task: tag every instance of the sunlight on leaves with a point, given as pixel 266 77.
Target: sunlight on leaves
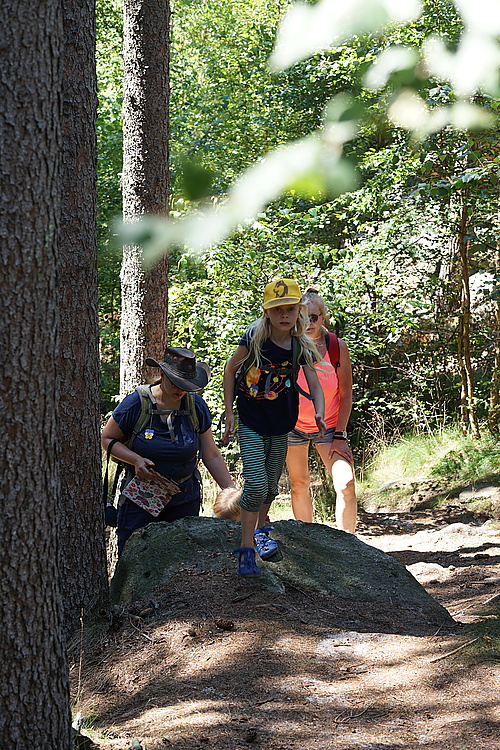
pixel 312 166
pixel 280 170
pixel 483 15
pixel 315 166
pixel 475 65
pixel 465 115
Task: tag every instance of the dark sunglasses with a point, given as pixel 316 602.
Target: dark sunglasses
pixel 313 318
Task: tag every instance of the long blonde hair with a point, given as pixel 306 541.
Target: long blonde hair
pixel 260 330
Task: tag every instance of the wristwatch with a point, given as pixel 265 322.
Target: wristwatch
pixel 342 434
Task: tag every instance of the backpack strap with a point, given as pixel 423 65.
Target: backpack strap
pixel 110 512
pixel 105 481
pixel 332 345
pixel 149 408
pixel 191 407
pixel 242 369
pixel 296 352
pixel 145 414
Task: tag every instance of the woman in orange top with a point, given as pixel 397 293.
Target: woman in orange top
pixel 333 448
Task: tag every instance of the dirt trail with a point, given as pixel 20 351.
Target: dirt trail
pixel 216 662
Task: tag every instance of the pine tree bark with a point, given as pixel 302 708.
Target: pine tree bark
pixel 34 689
pixel 145 181
pixel 83 561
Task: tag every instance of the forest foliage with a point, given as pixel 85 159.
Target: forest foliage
pixel 409 216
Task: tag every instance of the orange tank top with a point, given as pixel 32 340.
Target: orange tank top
pixel 328 378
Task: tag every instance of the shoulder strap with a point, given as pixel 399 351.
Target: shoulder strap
pixel 191 409
pixel 332 344
pixel 149 407
pixel 105 480
pixel 147 404
pixel 242 369
pixel 296 354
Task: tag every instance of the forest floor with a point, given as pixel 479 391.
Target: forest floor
pixel 216 662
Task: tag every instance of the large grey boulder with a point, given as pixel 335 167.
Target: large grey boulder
pixel 311 556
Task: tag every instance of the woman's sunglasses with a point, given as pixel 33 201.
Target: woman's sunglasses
pixel 313 318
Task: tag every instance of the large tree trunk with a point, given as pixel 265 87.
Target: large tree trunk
pixel 34 685
pixel 83 560
pixel 145 181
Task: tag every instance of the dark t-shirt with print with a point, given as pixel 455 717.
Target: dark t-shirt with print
pixel 269 406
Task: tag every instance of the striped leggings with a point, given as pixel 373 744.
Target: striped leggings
pixel 263 460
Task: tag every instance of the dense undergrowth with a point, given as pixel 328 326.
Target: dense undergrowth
pixel 446 453
pixel 445 459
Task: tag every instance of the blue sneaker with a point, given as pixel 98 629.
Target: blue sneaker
pixel 246 562
pixel 266 547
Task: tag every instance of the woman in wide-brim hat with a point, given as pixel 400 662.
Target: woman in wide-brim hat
pixel 162 428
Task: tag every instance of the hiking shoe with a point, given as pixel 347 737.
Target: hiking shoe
pixel 246 562
pixel 266 547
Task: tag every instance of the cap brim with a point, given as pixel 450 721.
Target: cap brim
pixel 281 301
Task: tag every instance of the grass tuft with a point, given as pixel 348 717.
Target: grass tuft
pixel 446 457
pixel 487 630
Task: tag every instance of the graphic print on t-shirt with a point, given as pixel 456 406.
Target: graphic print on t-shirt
pixel 256 380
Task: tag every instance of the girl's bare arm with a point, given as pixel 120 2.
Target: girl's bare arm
pixel 213 460
pixel 228 381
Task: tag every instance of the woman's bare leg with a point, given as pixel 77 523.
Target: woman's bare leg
pixel 342 474
pixel 298 471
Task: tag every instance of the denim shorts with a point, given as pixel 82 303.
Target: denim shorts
pixel 297 437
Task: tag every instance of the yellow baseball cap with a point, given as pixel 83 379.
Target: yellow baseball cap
pixel 281 292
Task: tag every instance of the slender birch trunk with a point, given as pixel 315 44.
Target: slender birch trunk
pixel 468 406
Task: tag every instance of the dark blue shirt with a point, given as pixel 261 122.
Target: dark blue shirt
pixel 268 406
pixel 173 458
